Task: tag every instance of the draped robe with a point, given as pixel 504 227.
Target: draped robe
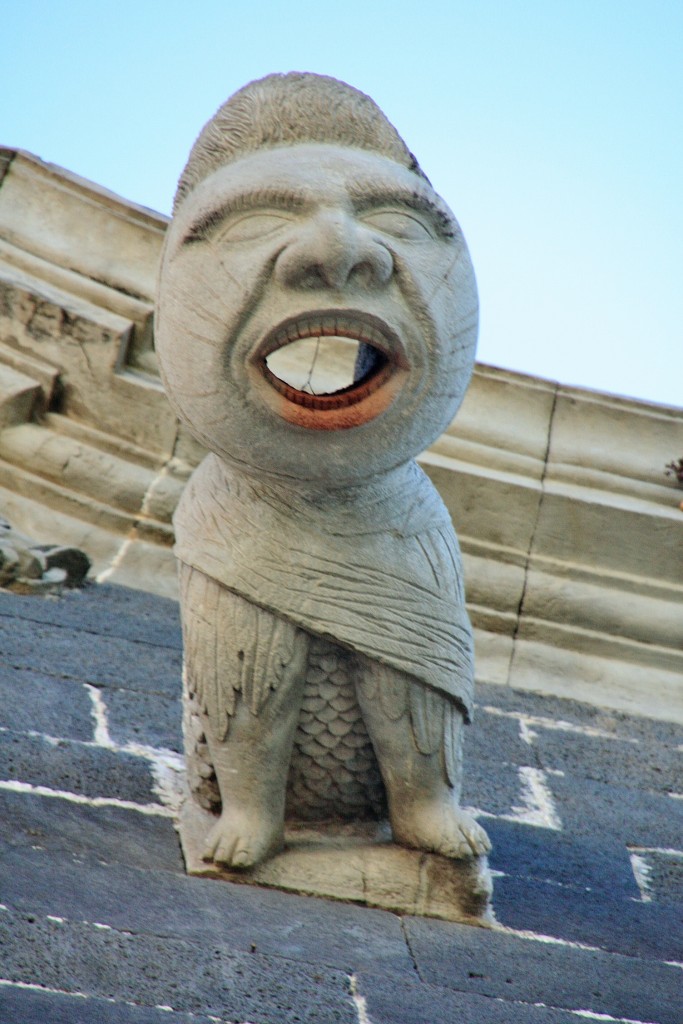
pixel 375 567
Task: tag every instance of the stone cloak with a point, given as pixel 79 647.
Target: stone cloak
pixel 375 568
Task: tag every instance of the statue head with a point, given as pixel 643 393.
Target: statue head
pixel 302 218
pixel 284 110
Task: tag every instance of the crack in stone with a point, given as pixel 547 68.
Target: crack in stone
pixel 532 537
pixel 416 966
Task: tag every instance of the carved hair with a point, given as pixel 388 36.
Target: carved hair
pixel 284 110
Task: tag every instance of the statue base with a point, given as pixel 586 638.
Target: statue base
pixel 357 863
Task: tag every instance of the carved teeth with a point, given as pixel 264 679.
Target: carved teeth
pixel 343 326
pixel 327 326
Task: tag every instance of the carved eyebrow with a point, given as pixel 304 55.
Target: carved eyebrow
pixel 272 198
pixel 414 199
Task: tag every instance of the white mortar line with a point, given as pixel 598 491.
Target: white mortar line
pixel 538 806
pixel 193 1016
pixel 526 733
pixel 98 710
pixel 359 1001
pixel 550 940
pixel 136 749
pixel 32 987
pixel 558 724
pixel 478 813
pixel 168 767
pixel 44 988
pixel 641 872
pixel 82 995
pixel 665 851
pixel 133 533
pixel 590 1015
pixel 553 941
pixel 156 810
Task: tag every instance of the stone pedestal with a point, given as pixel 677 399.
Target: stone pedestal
pixel 357 863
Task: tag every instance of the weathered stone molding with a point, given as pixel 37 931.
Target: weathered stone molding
pixel 88 442
pixel 571 534
pixel 572 539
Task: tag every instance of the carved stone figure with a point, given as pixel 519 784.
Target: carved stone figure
pixel 328 651
pixel 28 567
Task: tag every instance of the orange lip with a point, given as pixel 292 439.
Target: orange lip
pixel 351 406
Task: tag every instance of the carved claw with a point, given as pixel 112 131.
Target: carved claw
pixel 475 836
pixel 239 840
pixel 447 830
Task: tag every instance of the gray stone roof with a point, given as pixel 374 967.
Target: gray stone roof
pixel 100 924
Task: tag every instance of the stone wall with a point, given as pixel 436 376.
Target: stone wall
pixel 571 533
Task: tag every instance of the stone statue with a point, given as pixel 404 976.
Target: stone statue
pixel 328 652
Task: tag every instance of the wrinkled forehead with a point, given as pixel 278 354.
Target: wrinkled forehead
pixel 297 177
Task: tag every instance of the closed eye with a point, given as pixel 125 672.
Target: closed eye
pixel 399 224
pixel 252 226
pixel 254 213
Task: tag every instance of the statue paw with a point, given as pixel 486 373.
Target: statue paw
pixel 466 836
pixel 441 828
pixel 241 840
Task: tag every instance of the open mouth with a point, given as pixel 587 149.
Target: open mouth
pixel 329 362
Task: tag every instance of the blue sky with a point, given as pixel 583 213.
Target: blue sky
pixel 553 129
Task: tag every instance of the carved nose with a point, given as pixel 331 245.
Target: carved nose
pixel 333 251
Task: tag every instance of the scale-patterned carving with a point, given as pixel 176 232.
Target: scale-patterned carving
pixel 334 772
